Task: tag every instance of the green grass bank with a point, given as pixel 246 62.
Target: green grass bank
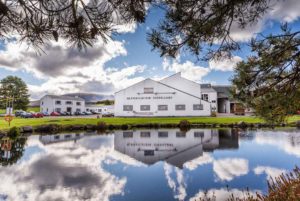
pixel 19 122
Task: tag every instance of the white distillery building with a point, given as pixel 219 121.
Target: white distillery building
pixel 171 96
pixel 52 103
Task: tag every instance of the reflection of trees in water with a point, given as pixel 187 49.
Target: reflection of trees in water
pixel 11 150
pixel 294 140
pixel 228 139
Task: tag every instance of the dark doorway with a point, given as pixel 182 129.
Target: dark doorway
pixel 69 109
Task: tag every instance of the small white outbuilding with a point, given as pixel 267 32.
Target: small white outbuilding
pixel 52 103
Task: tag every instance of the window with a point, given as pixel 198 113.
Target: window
pixel 42 103
pixel 67 136
pixel 99 110
pixel 163 134
pixel 56 137
pixel 57 102
pixel 145 107
pixel 148 90
pixel 78 103
pixel 162 107
pixel 69 103
pixel 57 109
pixel 145 134
pixel 197 107
pixel 199 134
pixel 180 134
pixel 78 110
pixel 149 153
pixel 179 107
pixel 127 134
pixel 213 101
pixel 204 97
pixel 127 107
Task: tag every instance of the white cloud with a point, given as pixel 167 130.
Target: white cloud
pixel 286 141
pixel 225 64
pixel 222 194
pixel 178 186
pixel 281 11
pixel 271 172
pixel 188 69
pixel 66 70
pixel 54 173
pixel 202 160
pixel 228 168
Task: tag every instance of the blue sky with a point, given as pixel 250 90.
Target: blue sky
pixel 127 58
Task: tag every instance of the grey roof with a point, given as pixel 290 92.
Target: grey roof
pixel 206 88
pixel 65 97
pixel 223 91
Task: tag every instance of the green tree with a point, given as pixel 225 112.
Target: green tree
pixel 16 89
pixel 270 81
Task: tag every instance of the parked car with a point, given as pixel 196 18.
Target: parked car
pixel 62 113
pixel 38 115
pixel 26 115
pixel 46 114
pixel 79 113
pixel 18 113
pixel 95 112
pixel 88 113
pixel 55 114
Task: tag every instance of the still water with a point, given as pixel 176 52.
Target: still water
pixel 145 165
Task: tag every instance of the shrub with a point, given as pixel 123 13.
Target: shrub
pixel 124 126
pixel 286 187
pixel 184 125
pixel 49 128
pixel 14 133
pixel 213 114
pixel 101 126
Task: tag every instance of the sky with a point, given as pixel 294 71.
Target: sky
pixel 128 58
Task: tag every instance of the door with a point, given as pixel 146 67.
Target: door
pixel 69 109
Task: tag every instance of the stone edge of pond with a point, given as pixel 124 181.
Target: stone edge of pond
pixel 102 127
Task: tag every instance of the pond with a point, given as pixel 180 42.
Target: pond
pixel 145 165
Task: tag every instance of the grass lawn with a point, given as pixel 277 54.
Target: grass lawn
pixel 121 120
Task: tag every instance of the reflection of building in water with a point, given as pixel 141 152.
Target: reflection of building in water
pixel 173 146
pixel 49 139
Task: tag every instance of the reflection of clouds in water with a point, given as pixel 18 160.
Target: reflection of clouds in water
pixel 286 141
pixel 271 172
pixel 202 160
pixel 65 171
pixel 222 194
pixel 228 168
pixel 178 186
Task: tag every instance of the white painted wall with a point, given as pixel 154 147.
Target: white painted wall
pixel 47 104
pixel 163 95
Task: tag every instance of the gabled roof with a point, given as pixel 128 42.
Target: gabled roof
pixel 222 90
pixel 64 97
pixel 207 88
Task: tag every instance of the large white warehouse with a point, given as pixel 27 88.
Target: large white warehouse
pixel 172 96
